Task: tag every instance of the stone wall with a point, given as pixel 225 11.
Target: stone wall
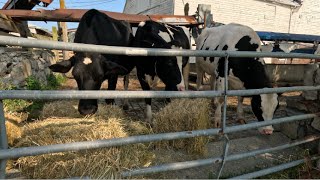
pixel 17 64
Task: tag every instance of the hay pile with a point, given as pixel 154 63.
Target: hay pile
pixel 98 163
pixel 13 126
pixel 184 115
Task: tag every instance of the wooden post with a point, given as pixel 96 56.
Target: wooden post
pixel 55 38
pixel 64 31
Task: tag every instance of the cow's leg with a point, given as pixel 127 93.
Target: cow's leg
pixel 145 86
pixel 170 88
pixel 218 101
pixel 112 84
pixel 126 85
pixel 200 74
pixel 186 71
pixel 240 116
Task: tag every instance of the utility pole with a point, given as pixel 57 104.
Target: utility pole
pixel 63 26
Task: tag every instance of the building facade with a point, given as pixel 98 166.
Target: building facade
pixel 286 16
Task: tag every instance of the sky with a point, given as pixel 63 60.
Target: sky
pixel 107 5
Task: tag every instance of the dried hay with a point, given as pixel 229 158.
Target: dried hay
pixel 60 109
pixel 184 115
pixel 13 123
pixel 97 163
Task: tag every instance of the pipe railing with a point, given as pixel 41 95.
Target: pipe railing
pixel 25 94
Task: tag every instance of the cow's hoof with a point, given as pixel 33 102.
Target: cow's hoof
pixel 241 121
pixel 125 107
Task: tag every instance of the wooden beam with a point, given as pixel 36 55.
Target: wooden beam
pixel 74 15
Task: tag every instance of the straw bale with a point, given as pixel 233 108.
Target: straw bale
pixel 13 123
pixel 97 163
pixel 66 108
pixel 184 115
pixel 60 109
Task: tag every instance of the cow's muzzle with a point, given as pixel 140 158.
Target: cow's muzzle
pixel 87 107
pixel 268 130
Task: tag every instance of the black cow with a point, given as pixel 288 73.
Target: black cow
pixel 91 69
pixel 243 73
pixel 173 71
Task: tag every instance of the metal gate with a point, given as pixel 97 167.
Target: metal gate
pixel 6 153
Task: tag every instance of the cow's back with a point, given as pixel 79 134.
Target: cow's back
pixel 230 35
pixel 98 28
pixel 234 37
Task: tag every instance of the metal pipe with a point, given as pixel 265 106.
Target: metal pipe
pixel 3 141
pixel 225 92
pixel 243 127
pixel 273 169
pixel 75 94
pixel 30 151
pixel 37 150
pixel 211 161
pixel 130 51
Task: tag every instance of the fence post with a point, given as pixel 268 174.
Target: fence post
pixel 3 141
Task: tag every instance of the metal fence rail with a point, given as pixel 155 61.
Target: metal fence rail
pixel 6 153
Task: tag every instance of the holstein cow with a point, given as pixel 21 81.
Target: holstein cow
pixel 243 73
pixel 173 71
pixel 91 69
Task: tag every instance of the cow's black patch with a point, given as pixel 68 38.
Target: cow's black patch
pixel 245 45
pixel 256 107
pixel 277 48
pixel 212 58
pixel 166 68
pixel 222 62
pixel 204 42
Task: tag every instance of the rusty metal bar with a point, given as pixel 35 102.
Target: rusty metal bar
pixel 74 15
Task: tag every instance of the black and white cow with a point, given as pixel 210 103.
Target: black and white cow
pixel 243 73
pixel 91 69
pixel 173 71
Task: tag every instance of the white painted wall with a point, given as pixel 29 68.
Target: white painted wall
pixel 149 7
pixel 260 15
pixel 306 19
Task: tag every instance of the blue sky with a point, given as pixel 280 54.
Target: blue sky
pixel 107 5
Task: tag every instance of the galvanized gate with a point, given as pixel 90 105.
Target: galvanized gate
pixel 6 153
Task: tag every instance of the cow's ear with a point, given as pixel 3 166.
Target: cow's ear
pixel 112 68
pixel 63 66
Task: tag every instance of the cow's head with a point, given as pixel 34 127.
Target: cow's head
pixel 264 107
pixel 89 70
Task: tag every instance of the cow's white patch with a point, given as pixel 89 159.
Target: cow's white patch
pixel 181 85
pixel 152 81
pixel 148 113
pixel 165 36
pixel 168 28
pixel 87 61
pixel 269 103
pixel 142 23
